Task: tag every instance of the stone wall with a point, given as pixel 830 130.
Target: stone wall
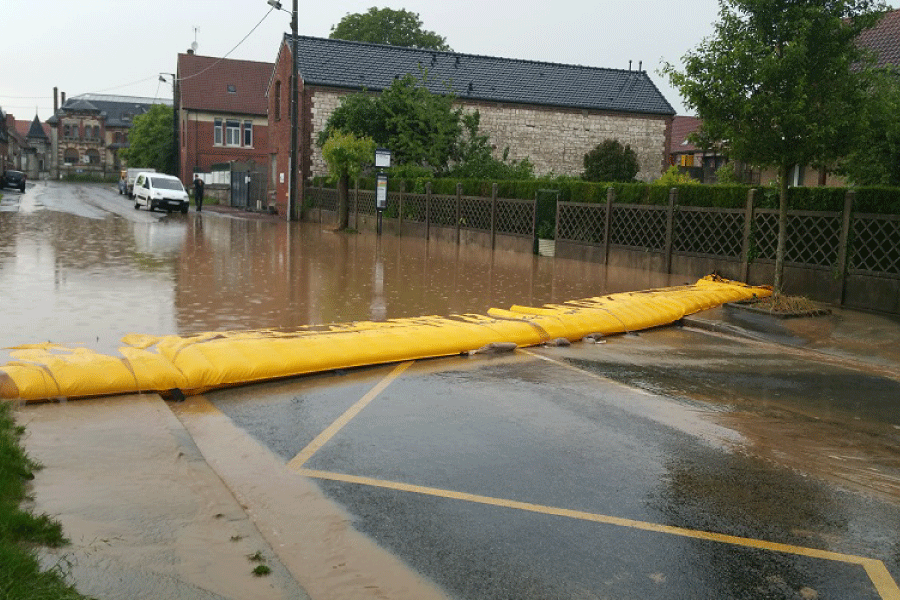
pixel 554 139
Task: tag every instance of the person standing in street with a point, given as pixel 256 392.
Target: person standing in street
pixel 198 192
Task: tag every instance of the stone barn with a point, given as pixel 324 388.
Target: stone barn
pixel 550 113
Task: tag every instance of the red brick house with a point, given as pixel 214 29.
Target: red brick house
pixel 4 142
pixel 221 112
pixel 550 113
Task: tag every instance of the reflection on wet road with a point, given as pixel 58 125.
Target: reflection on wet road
pixel 594 471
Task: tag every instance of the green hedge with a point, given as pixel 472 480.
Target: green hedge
pixel 90 178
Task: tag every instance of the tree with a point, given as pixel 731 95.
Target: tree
pixel 611 161
pixel 346 155
pixel 152 141
pixel 875 158
pixel 387 26
pixel 419 127
pixel 781 81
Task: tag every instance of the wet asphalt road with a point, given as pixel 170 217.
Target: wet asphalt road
pixel 663 429
pixel 671 429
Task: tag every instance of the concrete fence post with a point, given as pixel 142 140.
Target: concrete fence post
pixel 670 229
pixel 493 216
pixel 400 213
pixel 607 222
pixel 844 247
pixel 458 209
pixel 356 205
pixel 427 210
pixel 749 215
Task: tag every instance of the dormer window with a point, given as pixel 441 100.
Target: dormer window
pixel 232 89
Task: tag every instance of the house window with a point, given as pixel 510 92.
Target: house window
pixel 277 100
pixel 218 132
pixel 96 132
pixel 248 133
pixel 71 156
pixel 118 137
pixel 232 133
pixel 67 131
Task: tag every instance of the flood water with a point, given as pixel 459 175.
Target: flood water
pixel 79 266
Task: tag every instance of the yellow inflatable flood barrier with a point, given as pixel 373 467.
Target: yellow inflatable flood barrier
pixel 211 360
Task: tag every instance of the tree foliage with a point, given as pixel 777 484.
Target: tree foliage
pixel 419 127
pixel 781 81
pixel 611 161
pixel 152 141
pixel 346 156
pixel 673 176
pixel 425 132
pixel 387 26
pixel 875 157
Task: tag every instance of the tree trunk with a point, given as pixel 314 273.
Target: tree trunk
pixel 782 228
pixel 343 202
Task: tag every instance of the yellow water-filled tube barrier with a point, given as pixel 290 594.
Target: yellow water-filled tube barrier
pixel 206 361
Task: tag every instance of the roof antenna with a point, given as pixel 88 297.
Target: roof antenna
pixel 194 43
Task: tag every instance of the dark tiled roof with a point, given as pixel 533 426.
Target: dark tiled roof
pixel 119 111
pixel 884 39
pixel 357 65
pixel 36 130
pixel 223 85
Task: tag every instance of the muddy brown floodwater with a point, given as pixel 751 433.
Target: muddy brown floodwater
pixel 89 280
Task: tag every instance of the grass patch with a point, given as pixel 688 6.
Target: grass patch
pixel 783 306
pixel 20 573
pixel 261 570
pixel 786 304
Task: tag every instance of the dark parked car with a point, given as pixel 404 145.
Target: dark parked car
pixel 13 179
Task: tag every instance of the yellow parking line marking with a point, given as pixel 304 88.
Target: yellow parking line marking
pixel 298 461
pixel 877 572
pixel 881 577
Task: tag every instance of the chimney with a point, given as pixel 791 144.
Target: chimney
pixel 63 97
pixel 55 99
pixel 190 51
pixel 640 66
pixel 629 68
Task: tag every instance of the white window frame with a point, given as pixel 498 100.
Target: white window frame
pixel 248 134
pixel 218 135
pixel 232 132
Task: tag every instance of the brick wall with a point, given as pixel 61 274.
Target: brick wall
pixel 280 131
pixel 197 136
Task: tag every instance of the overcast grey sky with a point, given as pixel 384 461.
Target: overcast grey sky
pixel 121 46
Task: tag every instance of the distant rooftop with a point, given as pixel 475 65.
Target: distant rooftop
pixel 123 99
pixel 119 111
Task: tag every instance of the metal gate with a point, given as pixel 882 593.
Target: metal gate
pixel 248 187
pixel 240 189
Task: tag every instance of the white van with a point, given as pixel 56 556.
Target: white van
pixel 155 190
